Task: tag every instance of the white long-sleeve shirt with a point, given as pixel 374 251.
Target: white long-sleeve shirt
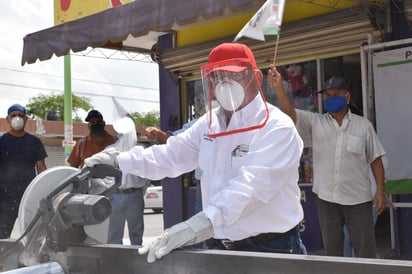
pixel 249 181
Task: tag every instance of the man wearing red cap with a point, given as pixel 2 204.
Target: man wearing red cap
pixel 345 146
pixel 21 159
pixel 249 153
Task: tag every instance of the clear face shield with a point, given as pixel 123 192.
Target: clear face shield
pixel 228 87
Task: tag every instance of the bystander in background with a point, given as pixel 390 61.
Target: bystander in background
pixel 94 142
pixel 128 201
pixel 345 146
pixel 22 157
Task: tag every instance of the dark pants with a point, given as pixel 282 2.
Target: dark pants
pixel 359 221
pixel 287 243
pixel 9 209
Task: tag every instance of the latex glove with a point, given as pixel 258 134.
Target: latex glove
pixel 106 157
pixel 195 230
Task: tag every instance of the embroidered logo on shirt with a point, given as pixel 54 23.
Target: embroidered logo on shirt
pixel 240 150
pixel 207 138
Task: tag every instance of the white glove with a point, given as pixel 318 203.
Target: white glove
pixel 106 157
pixel 195 230
pixel 98 185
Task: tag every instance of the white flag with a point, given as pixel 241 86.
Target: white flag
pixel 124 126
pixel 266 21
pixel 119 111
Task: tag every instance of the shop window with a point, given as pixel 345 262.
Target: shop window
pixel 300 83
pixel 195 105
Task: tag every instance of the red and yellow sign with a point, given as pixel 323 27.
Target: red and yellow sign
pixel 68 10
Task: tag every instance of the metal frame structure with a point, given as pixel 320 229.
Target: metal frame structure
pixel 369 103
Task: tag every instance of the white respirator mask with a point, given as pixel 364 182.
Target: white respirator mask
pixel 230 94
pixel 17 123
pixel 233 83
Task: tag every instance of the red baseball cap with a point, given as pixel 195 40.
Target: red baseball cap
pixel 227 51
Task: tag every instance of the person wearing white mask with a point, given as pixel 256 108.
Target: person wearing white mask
pixel 249 153
pixel 22 157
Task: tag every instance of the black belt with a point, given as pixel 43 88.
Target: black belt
pixel 127 190
pixel 260 238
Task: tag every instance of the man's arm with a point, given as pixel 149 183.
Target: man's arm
pixel 276 81
pixel 74 159
pixel 40 166
pixel 379 201
pixel 157 134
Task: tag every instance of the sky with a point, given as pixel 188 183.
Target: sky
pixel 134 84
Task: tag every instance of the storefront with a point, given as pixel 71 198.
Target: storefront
pixel 325 40
pixel 306 57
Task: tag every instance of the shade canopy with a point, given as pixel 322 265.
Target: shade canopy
pixel 133 27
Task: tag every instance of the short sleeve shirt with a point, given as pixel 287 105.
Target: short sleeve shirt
pixel 87 147
pixel 341 155
pixel 18 157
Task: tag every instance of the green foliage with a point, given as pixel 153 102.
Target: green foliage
pixel 41 105
pixel 149 119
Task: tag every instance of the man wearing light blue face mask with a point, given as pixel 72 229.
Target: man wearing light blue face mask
pixel 345 146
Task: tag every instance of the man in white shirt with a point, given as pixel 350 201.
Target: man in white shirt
pixel 249 153
pixel 345 146
pixel 128 200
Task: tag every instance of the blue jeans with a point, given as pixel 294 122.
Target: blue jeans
pixel 9 208
pixel 198 198
pixel 126 207
pixel 291 244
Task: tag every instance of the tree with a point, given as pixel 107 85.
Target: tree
pixel 149 119
pixel 41 105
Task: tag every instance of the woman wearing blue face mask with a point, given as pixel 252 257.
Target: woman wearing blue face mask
pixel 345 146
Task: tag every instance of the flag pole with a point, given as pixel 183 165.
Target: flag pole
pixel 266 21
pixel 276 49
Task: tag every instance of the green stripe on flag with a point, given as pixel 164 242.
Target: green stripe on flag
pixel 271 32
